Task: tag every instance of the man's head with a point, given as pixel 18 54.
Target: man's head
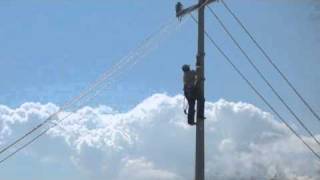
pixel 185 68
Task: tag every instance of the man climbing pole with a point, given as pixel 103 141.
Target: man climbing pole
pixel 189 88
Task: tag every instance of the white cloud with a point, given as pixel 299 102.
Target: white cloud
pixel 27 113
pixel 137 169
pixel 152 141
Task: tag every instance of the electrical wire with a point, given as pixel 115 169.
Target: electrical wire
pixel 265 54
pixel 263 77
pixel 139 53
pixel 257 92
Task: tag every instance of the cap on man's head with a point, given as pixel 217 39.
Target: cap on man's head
pixel 185 68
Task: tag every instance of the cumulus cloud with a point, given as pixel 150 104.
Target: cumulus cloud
pixel 137 169
pixel 152 141
pixel 27 114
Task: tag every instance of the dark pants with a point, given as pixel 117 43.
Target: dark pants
pixel 189 93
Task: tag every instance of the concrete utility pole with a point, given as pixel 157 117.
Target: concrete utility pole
pixel 199 174
pixel 200 160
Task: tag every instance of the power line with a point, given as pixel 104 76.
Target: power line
pixel 84 94
pixel 67 105
pixel 263 77
pixel 305 102
pixel 257 92
pixel 145 46
pixel 24 146
pixel 34 139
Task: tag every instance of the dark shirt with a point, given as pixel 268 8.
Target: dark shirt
pixel 189 78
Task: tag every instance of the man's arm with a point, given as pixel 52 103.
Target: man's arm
pixel 195 77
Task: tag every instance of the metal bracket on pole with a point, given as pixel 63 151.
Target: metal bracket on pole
pixel 181 12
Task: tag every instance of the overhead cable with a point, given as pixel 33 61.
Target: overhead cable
pixel 264 78
pixel 269 59
pixel 134 57
pixel 257 92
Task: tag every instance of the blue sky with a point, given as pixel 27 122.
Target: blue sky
pixel 51 50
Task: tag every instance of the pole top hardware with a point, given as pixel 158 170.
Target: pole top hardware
pixel 180 12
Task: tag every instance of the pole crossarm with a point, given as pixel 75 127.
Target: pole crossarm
pixel 190 9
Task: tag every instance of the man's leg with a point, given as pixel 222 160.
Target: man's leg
pixel 200 108
pixel 191 111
